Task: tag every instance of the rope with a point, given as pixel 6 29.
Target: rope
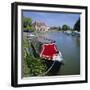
pixel 48 69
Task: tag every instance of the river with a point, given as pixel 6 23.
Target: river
pixel 70 48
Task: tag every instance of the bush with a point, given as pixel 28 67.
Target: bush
pixel 37 66
pixel 32 66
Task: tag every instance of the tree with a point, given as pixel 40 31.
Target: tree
pixel 77 25
pixel 65 27
pixel 59 28
pixel 27 23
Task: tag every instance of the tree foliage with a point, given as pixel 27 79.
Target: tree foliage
pixel 65 27
pixel 27 21
pixel 27 24
pixel 59 28
pixel 77 25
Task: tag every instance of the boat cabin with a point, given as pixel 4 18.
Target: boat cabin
pixel 45 48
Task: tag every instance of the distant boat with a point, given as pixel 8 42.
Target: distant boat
pixel 30 35
pixel 76 33
pixel 68 32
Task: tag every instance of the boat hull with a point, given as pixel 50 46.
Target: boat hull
pixel 53 67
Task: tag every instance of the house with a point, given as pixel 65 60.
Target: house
pixel 40 26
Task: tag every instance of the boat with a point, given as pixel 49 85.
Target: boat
pixel 76 33
pixel 30 35
pixel 68 32
pixel 47 50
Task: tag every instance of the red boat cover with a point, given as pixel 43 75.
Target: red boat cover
pixel 48 51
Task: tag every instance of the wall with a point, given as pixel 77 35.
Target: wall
pixel 5 46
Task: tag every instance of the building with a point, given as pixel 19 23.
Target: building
pixel 40 26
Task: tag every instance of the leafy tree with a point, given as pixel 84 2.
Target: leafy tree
pixel 77 25
pixel 27 21
pixel 65 27
pixel 27 24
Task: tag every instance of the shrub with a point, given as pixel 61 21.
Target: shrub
pixel 33 66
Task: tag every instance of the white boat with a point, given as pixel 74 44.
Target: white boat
pixel 31 35
pixel 68 32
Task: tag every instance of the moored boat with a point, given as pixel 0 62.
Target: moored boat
pixel 47 50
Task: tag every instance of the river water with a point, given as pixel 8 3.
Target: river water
pixel 70 48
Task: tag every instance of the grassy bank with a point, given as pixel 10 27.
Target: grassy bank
pixel 32 66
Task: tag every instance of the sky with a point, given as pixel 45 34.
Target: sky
pixel 53 18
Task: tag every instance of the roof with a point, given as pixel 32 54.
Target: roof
pixel 45 40
pixel 48 51
pixel 38 23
